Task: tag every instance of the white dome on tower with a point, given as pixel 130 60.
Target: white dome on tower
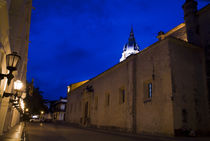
pixel 130 48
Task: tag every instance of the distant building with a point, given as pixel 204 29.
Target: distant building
pixel 59 109
pixel 162 90
pixel 130 48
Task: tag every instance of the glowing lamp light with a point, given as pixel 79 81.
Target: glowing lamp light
pixel 69 88
pixel 18 85
pixel 27 110
pixel 42 112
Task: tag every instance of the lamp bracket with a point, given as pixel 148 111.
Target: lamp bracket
pixel 7 94
pixel 9 76
pixel 2 76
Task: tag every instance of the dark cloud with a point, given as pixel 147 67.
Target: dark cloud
pixel 73 56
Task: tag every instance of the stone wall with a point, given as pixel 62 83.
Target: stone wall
pixel 154 115
pixel 137 112
pixel 204 32
pixel 20 17
pixel 190 105
pixel 4 49
pixel 14 37
pixel 103 111
pixel 174 68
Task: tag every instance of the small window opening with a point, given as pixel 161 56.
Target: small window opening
pixel 184 116
pixel 122 95
pixel 150 90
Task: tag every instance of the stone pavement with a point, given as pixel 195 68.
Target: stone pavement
pixel 14 134
pixel 151 137
pixel 59 131
pixel 141 136
pixel 65 132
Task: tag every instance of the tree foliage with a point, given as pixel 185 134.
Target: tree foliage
pixel 34 101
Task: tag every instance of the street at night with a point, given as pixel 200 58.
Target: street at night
pixel 62 132
pixel 104 70
pixel 59 132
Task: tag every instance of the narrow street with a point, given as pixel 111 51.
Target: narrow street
pixel 61 132
pixel 58 132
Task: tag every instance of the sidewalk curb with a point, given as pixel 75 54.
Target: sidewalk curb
pixel 15 133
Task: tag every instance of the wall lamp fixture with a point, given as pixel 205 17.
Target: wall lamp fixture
pixel 17 87
pixel 12 62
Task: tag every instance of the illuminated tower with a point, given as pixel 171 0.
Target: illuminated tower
pixel 130 48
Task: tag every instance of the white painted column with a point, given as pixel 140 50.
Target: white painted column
pixel 15 117
pixel 3 112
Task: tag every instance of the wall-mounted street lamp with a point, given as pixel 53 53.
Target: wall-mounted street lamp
pixel 12 62
pixel 17 87
pixel 18 104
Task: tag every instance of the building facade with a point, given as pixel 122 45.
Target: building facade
pixel 162 90
pixel 14 37
pixel 59 109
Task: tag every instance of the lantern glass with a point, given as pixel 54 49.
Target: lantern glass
pixel 12 61
pixel 18 85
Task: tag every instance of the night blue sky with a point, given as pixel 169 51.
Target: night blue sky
pixel 75 40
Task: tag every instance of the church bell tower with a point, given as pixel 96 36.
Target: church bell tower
pixel 130 48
